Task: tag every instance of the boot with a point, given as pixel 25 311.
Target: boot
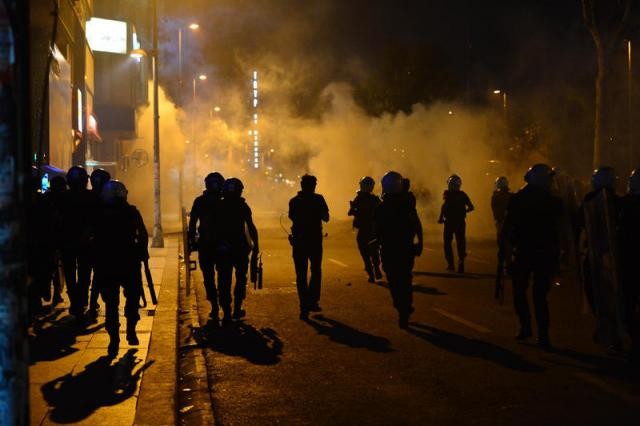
pixel 132 337
pixel 226 319
pixel 378 273
pixel 461 267
pixel 238 312
pixel 114 344
pixel 524 333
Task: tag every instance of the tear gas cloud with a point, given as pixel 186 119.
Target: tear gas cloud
pixel 339 146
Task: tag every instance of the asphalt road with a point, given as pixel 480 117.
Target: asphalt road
pixel 457 364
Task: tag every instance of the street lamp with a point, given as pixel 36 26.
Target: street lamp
pixel 193 27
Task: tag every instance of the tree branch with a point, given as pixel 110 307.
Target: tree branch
pixel 589 17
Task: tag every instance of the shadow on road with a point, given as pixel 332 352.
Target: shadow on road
pixel 345 335
pixel 417 288
pixel 613 367
pixel 261 347
pixel 101 383
pixel 466 275
pixel 54 337
pixel 471 347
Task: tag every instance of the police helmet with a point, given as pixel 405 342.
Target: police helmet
pixel 114 191
pixel 367 183
pixel 99 177
pixel 232 187
pixel 77 177
pixel 502 183
pixel 391 182
pixel 634 182
pixel 454 183
pixel 214 182
pixel 539 175
pixel 603 177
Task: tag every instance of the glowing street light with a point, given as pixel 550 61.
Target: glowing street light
pixel 194 26
pixel 137 53
pixel 217 109
pixel 497 92
pixel 202 77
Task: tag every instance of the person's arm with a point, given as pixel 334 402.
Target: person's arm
pixel 292 210
pixel 353 208
pixel 253 231
pixel 142 236
pixel 193 219
pixel 441 218
pixel 469 204
pixel 324 210
pixel 419 234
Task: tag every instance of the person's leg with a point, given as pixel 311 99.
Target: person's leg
pixel 542 276
pixel 132 295
pixel 301 264
pixel 374 249
pixel 461 244
pixel 69 264
pixel 315 282
pixel 207 266
pixel 241 266
pixel 110 292
pixel 363 248
pixel 84 276
pixel 225 274
pixel 448 249
pixel 520 281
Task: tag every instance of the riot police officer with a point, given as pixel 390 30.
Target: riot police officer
pixel 629 255
pixel 307 211
pixel 233 247
pixel 499 202
pixel 453 215
pixel 203 216
pixel 396 223
pixel 363 208
pixel 78 220
pixel 98 179
pixel 120 246
pixel 530 242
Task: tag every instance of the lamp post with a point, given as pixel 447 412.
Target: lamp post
pixel 504 110
pixel 629 107
pixel 201 77
pixel 157 239
pixel 193 26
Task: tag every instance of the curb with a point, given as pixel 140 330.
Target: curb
pixel 158 390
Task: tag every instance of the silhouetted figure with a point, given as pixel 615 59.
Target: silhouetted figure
pixel 499 203
pixel 600 210
pixel 203 216
pixel 78 220
pixel 307 211
pixel 40 248
pixel 396 223
pixel 629 255
pixel 233 222
pixel 55 197
pixel 120 247
pixel 411 199
pixel 363 209
pixel 98 178
pixel 453 214
pixel 531 246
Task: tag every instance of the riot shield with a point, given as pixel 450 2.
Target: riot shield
pixel 603 270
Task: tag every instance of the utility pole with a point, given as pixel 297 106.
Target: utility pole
pixel 157 240
pixel 15 148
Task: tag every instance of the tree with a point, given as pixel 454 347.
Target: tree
pixel 606 20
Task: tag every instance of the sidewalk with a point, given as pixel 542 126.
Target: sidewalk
pixel 71 380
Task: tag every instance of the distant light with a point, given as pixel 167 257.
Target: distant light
pixel 450 112
pixel 187 141
pixel 137 54
pixel 250 132
pixel 497 92
pixel 217 109
pixel 202 77
pixel 194 26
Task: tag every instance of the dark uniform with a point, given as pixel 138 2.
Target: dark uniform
pixel 363 209
pixel 499 203
pixel 98 179
pixel 234 232
pixel 530 233
pixel 120 247
pixel 307 211
pixel 453 214
pixel 396 224
pixel 203 215
pixel 629 238
pixel 78 223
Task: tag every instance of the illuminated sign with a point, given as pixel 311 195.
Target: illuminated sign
pixel 106 35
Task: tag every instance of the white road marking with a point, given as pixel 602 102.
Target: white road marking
pixel 611 389
pixel 337 262
pixel 470 324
